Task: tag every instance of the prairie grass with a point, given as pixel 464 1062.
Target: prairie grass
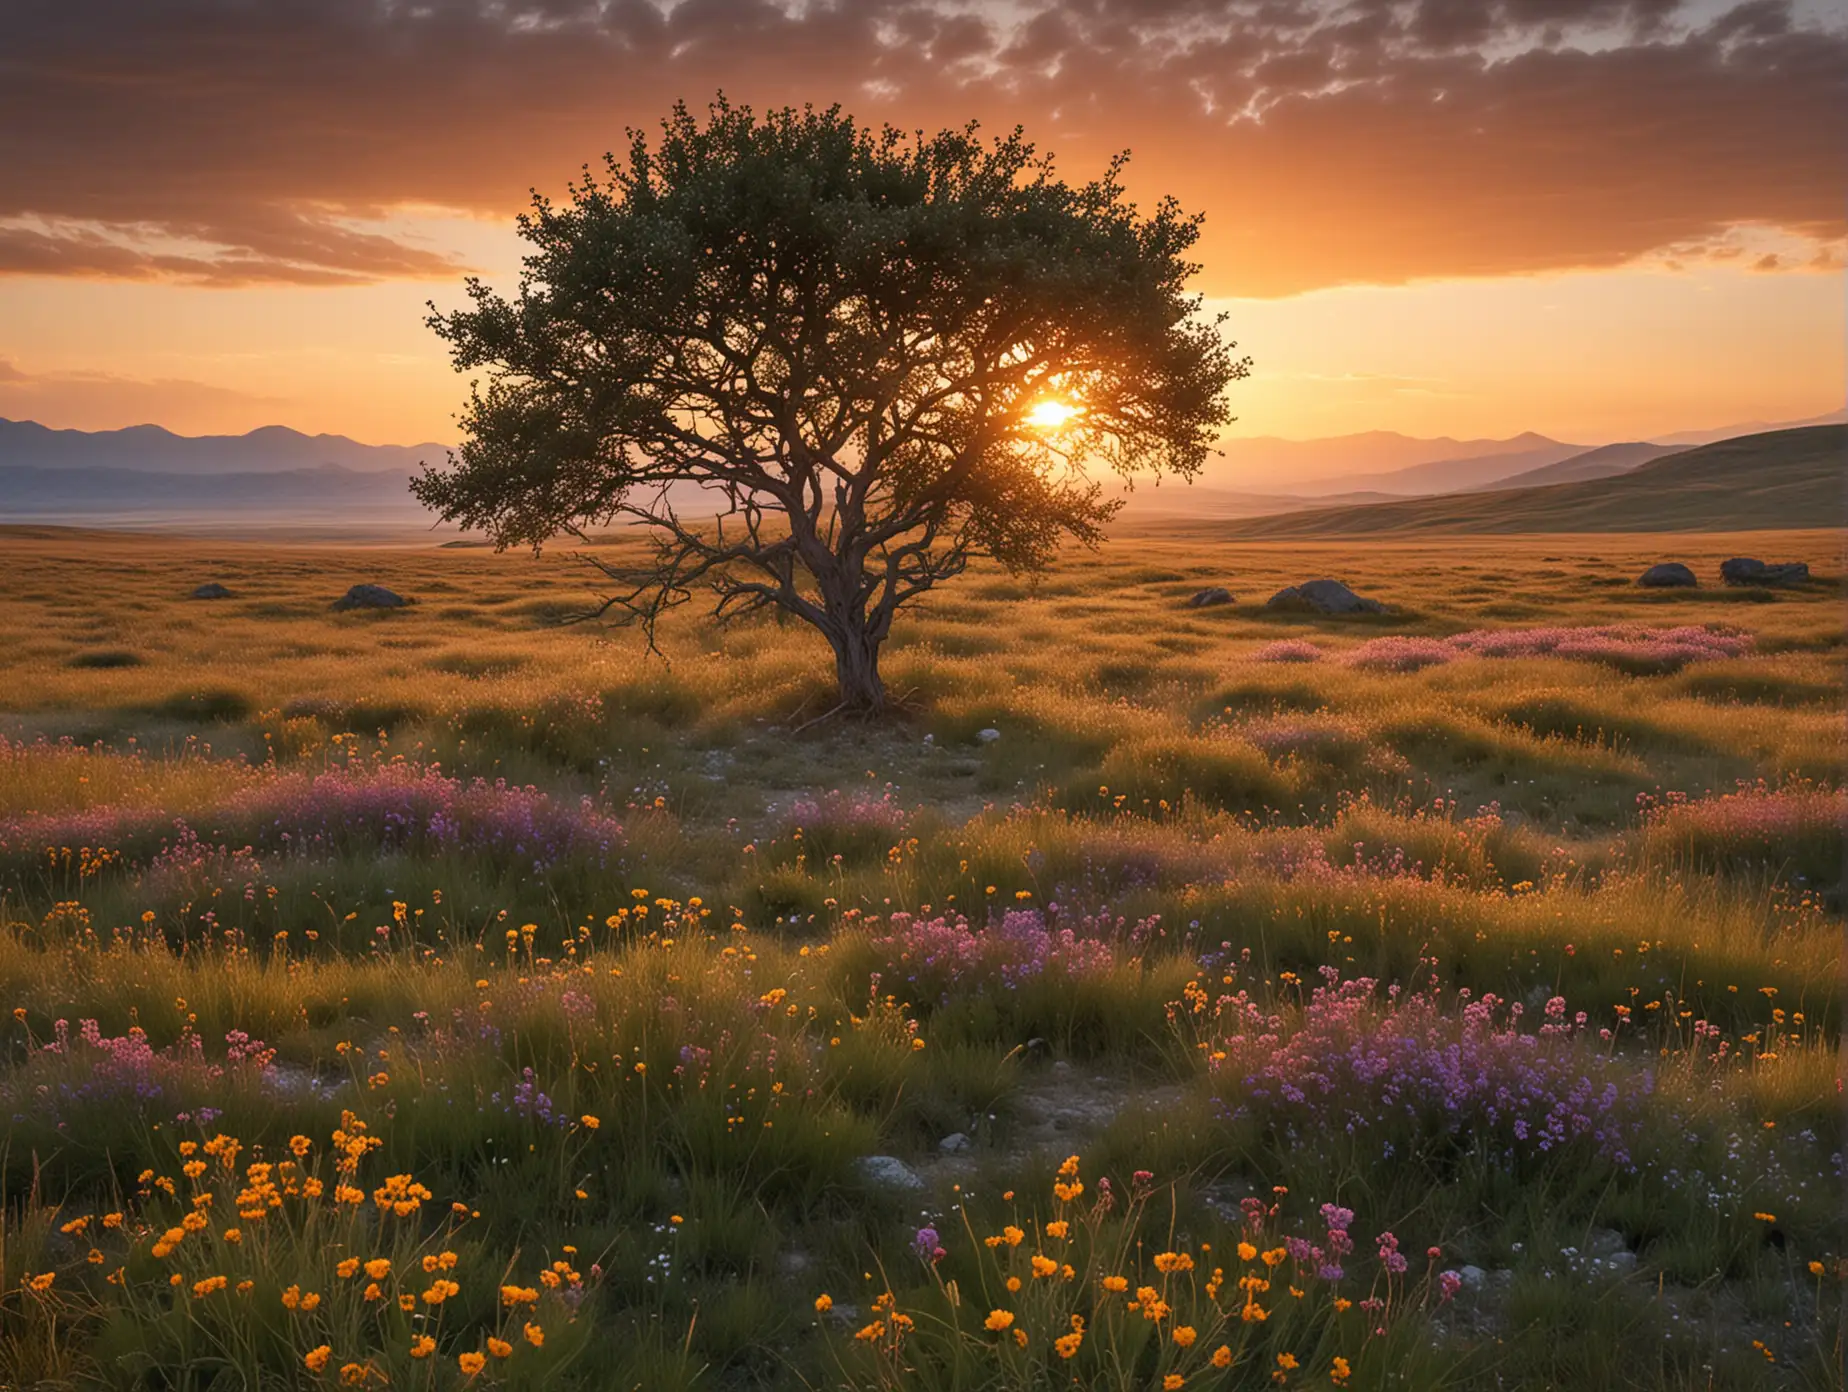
pixel 636 965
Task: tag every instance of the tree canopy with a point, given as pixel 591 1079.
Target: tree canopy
pixel 824 367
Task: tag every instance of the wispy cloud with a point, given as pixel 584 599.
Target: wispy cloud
pixel 1329 141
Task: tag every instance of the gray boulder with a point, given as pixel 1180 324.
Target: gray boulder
pixel 1324 597
pixel 1670 575
pixel 211 590
pixel 888 1172
pixel 1745 570
pixel 370 597
pixel 1209 598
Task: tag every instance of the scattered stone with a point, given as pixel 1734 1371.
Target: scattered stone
pixel 955 1143
pixel 1670 575
pixel 988 736
pixel 1324 597
pixel 1474 1278
pixel 888 1172
pixel 211 590
pixel 1210 597
pixel 370 597
pixel 1605 1242
pixel 1745 570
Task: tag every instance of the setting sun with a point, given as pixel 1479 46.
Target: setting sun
pixel 1050 415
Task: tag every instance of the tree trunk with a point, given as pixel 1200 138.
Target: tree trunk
pixel 856 666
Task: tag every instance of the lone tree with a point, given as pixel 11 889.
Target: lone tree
pixel 824 367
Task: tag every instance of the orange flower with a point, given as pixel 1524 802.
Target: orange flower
pixel 1222 1357
pixel 422 1346
pixel 998 1320
pixel 471 1363
pixel 535 1336
pixel 1184 1335
pixel 500 1348
pixel 823 1303
pixel 316 1359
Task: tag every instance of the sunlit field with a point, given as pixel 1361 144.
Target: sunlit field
pixel 1161 998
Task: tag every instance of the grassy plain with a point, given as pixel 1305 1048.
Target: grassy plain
pixel 642 999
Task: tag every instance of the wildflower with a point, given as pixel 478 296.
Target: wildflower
pixel 1765 1217
pixel 500 1348
pixel 316 1358
pixel 379 1268
pixel 1020 1338
pixel 868 1333
pixel 347 1269
pixel 1044 1266
pixel 1184 1335
pixel 518 1295
pixel 42 1283
pixel 208 1286
pixel 1169 1262
pixel 1247 1252
pixel 590 1122
pixel 1286 1361
pixel 998 1320
pixel 823 1303
pixel 1013 1284
pixel 1274 1256
pixel 471 1363
pixel 1815 1268
pixel 1116 1285
pixel 1340 1371
pixel 440 1290
pixel 407 1302
pixel 534 1335
pixel 1222 1357
pixel 1058 1228
pixel 422 1346
pixel 233 1236
pixel 1172 1381
pixel 1067 1345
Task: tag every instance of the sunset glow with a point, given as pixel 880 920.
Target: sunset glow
pixel 1050 415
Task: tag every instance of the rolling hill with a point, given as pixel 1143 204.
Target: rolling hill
pixel 1606 461
pixel 1779 479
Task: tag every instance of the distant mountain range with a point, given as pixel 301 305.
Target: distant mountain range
pixel 1357 463
pixel 151 449
pixel 1773 480
pixel 150 476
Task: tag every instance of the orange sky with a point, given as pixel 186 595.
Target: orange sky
pixel 1598 219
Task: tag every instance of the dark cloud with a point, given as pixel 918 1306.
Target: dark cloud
pixel 1329 141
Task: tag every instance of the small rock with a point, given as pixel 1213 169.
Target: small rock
pixel 1323 597
pixel 1474 1278
pixel 1605 1242
pixel 1208 598
pixel 211 590
pixel 1670 575
pixel 1620 1263
pixel 888 1172
pixel 369 597
pixel 1744 570
pixel 955 1143
pixel 988 736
